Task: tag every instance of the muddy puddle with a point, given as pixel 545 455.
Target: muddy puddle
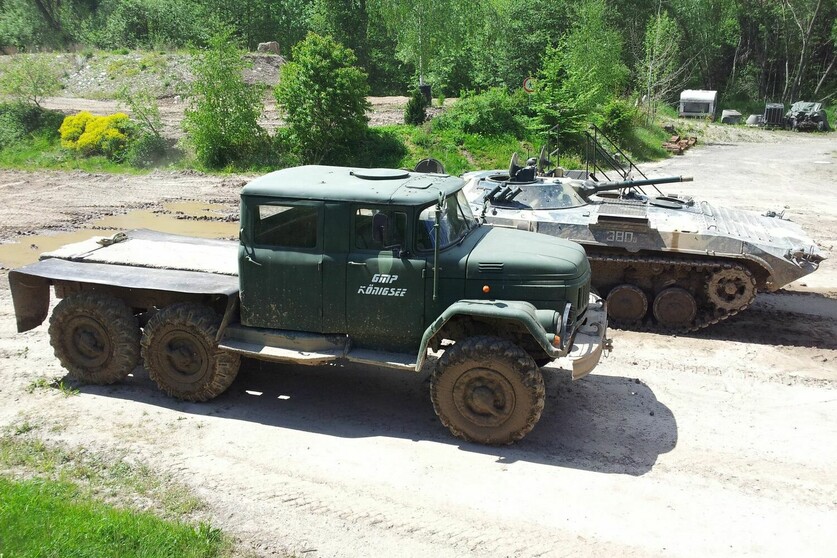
pixel 205 220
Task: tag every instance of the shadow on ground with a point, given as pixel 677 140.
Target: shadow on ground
pixel 782 318
pixel 601 423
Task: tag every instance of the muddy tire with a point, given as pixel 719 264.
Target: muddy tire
pixel 96 337
pixel 181 354
pixel 487 390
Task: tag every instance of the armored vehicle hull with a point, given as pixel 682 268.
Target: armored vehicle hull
pixel 668 263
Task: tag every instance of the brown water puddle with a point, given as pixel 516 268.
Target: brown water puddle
pixel 186 218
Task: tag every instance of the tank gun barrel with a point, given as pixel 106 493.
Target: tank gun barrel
pixel 591 187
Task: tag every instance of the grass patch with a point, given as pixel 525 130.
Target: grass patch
pixel 459 152
pixel 111 478
pixel 645 143
pixel 49 518
pixel 43 151
pixel 66 390
pixel 72 502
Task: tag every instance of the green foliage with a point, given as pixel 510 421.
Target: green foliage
pixel 661 74
pixel 424 28
pixel 30 78
pixel 68 523
pixel 119 24
pixel 22 25
pixel 504 43
pixel 415 113
pixel 144 108
pixel 494 112
pixel 96 135
pixel 323 97
pixel 146 150
pixel 221 121
pixel 18 120
pixel 618 120
pixel 582 74
pixel 381 147
pixel 459 152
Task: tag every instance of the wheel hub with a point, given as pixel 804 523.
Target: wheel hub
pixel 184 356
pixel 484 397
pixel 88 341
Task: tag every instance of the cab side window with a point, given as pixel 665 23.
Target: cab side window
pixel 287 226
pixel 379 229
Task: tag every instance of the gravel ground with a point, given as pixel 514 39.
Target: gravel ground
pixel 718 443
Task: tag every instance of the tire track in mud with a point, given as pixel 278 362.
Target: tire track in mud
pixel 386 522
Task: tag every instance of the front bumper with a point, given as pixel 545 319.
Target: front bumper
pixel 590 340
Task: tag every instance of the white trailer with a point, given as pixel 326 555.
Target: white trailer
pixel 698 102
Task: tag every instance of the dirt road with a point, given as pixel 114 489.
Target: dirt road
pixel 718 443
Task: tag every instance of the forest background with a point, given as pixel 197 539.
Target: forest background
pixel 611 63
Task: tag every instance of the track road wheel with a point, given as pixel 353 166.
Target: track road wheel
pixel 182 356
pixel 95 337
pixel 626 304
pixel 675 307
pixel 487 390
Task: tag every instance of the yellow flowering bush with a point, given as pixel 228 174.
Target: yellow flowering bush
pixel 72 128
pixel 96 135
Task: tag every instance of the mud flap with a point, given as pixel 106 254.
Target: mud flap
pixel 30 296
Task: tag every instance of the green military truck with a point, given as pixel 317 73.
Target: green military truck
pixel 373 266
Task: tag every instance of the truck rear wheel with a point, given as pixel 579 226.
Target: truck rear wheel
pixel 95 336
pixel 182 356
pixel 487 390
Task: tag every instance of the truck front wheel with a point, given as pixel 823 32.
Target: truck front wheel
pixel 487 390
pixel 182 356
pixel 95 337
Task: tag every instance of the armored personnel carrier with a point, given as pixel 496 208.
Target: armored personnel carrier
pixel 666 262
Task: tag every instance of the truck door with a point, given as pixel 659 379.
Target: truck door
pixel 385 283
pixel 281 271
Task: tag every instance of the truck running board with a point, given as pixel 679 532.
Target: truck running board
pixel 306 348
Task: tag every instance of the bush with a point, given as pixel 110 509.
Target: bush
pixel 618 119
pixel 73 127
pixel 96 135
pixel 415 113
pixel 30 78
pixel 17 120
pixel 146 150
pixel 222 121
pixel 323 96
pixel 491 113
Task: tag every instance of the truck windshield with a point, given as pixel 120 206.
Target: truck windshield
pixel 457 221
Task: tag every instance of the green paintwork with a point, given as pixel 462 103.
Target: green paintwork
pixel 512 310
pixel 340 183
pixel 334 276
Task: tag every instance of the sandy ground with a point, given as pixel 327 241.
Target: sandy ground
pixel 719 443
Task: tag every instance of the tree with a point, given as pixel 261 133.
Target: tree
pixel 30 78
pixel 660 72
pixel 221 121
pixel 323 97
pixel 423 28
pixel 804 14
pixel 582 74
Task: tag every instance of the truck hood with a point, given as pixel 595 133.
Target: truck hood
pixel 525 256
